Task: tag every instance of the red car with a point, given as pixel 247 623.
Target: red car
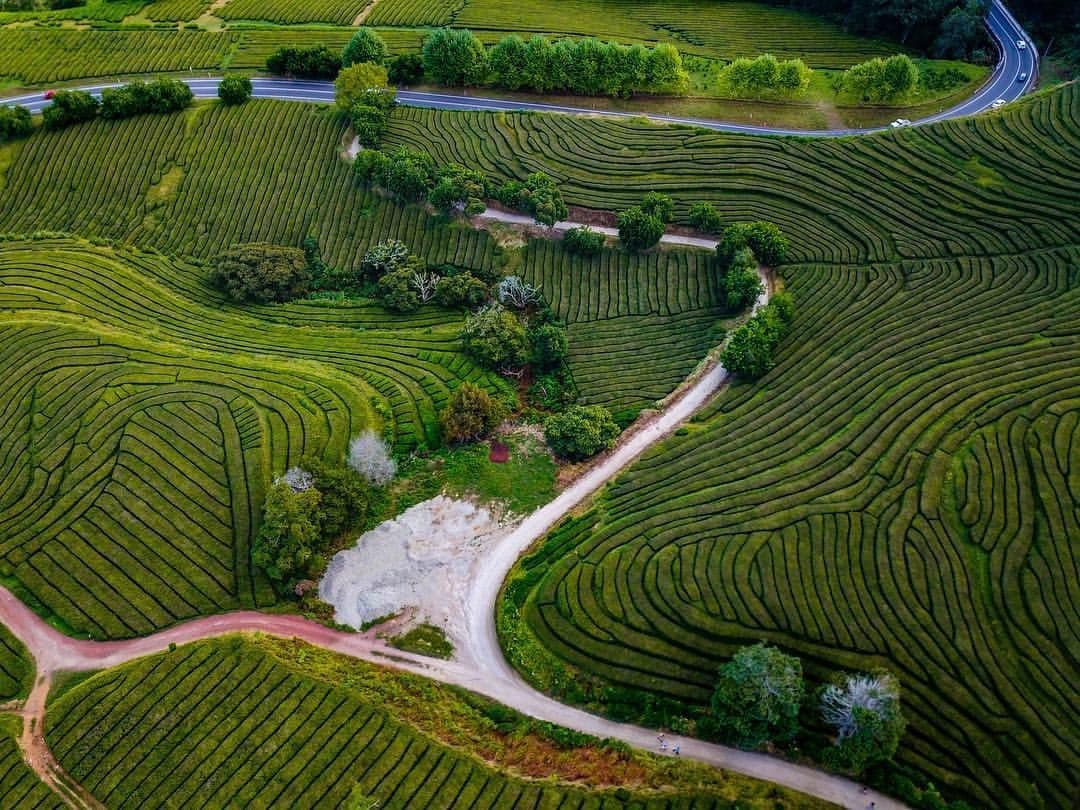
pixel 50 93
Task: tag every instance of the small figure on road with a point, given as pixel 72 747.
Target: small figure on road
pixel 663 745
pixel 675 750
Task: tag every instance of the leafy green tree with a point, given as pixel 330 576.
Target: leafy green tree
pixel 757 697
pixel 765 77
pixel 583 241
pixel 397 292
pixel 363 83
pixel 460 290
pixel 234 90
pixel 639 230
pixel 471 414
pixel 881 79
pixel 69 107
pixel 317 62
pixel 538 196
pixel 741 283
pixel 455 57
pixel 406 69
pixel 664 71
pixel 658 205
pixel 343 496
pixel 289 535
pixel 262 273
pixel 865 712
pixel 581 431
pixel 749 352
pixel 15 122
pixel 496 338
pixel 365 46
pixel 549 346
pixel 368 124
pixel 704 217
pixel 410 174
pixel 509 63
pixel 459 188
pixel 765 240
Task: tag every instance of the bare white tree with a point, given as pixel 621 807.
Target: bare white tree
pixel 424 283
pixel 369 456
pixel 299 479
pixel 874 693
pixel 515 292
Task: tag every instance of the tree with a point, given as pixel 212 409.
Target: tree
pixel 69 107
pixel 370 457
pixel 496 338
pixel 15 122
pixel 900 76
pixel 757 697
pixel 289 535
pixel 234 90
pixel 881 79
pixel 397 292
pixel 460 290
pixel 514 292
pixel 382 258
pixel 865 712
pixel 581 431
pixel 639 230
pixel 365 46
pixel 583 241
pixel 454 57
pixel 658 205
pixel 317 62
pixel 363 83
pixel 409 173
pixel 664 71
pixel 765 240
pixel 343 497
pixel 741 283
pixel 749 352
pixel 368 124
pixel 704 217
pixel 407 69
pixel 262 273
pixel 766 76
pixel 509 63
pixel 549 346
pixel 471 413
pixel 459 189
pixel 538 196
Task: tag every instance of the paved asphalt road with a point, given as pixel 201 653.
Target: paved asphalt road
pixel 1005 83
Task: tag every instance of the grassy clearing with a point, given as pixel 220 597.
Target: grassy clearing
pixel 258 722
pixel 425 639
pixel 896 492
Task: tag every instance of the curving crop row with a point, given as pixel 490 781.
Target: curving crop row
pixel 16 667
pixel 996 184
pixel 287 12
pixel 175 10
pixel 146 415
pixel 903 489
pixel 37 56
pixel 19 786
pixel 414 12
pixel 222 724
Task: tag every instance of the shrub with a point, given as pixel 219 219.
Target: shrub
pixel 454 57
pixel 289 535
pixel 704 217
pixel 639 230
pixel 471 413
pixel 459 188
pixel 368 124
pixel 69 107
pixel 583 242
pixel 538 196
pixel 136 98
pixel 865 712
pixel 495 338
pixel 581 431
pixel 460 290
pixel 553 391
pixel 370 457
pixel 15 122
pixel 549 346
pixel 363 83
pixel 317 62
pixel 262 273
pixel 658 205
pixel 234 90
pixel 398 291
pixel 343 496
pixel 407 69
pixel 742 285
pixel 757 697
pixel 365 46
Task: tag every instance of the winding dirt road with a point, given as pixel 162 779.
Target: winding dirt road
pixel 479 664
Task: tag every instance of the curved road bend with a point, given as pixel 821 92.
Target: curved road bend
pixel 1005 83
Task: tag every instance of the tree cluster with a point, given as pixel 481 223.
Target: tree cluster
pixel 749 352
pixel 760 692
pixel 138 98
pixel 583 242
pixel 15 122
pixel 456 57
pixel 765 240
pixel 234 90
pixel 262 273
pixel 538 196
pixel 766 77
pixel 69 107
pixel 471 414
pixel 642 226
pixel 881 79
pixel 315 62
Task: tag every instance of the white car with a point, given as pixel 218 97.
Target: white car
pixel 1022 77
pixel 997 103
pixel 900 122
pixel 1021 44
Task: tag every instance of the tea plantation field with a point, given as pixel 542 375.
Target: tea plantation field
pixel 1000 183
pixel 16 667
pixel 225 724
pixel 19 786
pixel 145 416
pixel 903 489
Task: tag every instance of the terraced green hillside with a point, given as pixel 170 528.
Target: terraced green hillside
pixel 19 787
pixel 226 723
pixel 904 488
pixel 144 417
pixel 999 183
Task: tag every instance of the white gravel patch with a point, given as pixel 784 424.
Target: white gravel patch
pixel 422 560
